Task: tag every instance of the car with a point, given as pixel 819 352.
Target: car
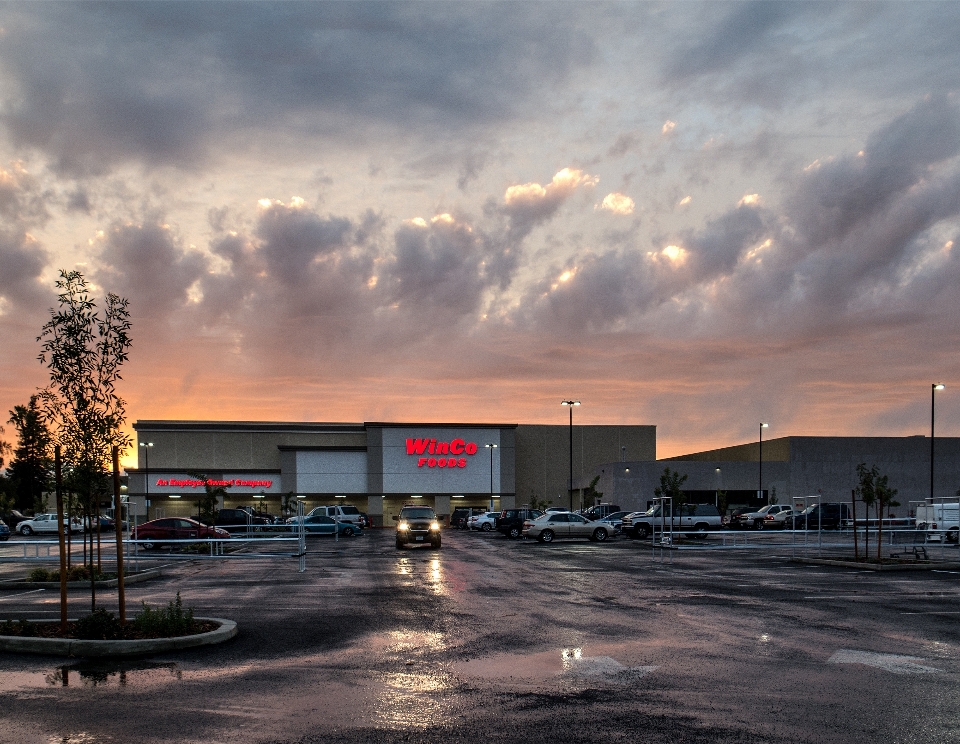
pixel 729 520
pixel 692 520
pixel 341 513
pixel 106 524
pixel 780 519
pixel 615 520
pixel 758 519
pixel 460 519
pixel 417 524
pixel 484 522
pixel 600 511
pixel 13 518
pixel 510 521
pixel 557 525
pixel 321 524
pixel 239 520
pixel 154 533
pixel 823 516
pixel 552 509
pixel 4 531
pixel 47 523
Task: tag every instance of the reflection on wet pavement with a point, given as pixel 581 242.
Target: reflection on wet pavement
pixel 567 663
pixel 113 674
pixel 81 738
pixel 412 700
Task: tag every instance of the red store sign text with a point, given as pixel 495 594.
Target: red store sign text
pixel 455 447
pixel 236 482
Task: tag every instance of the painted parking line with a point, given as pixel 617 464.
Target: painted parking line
pixel 21 594
pixel 893 663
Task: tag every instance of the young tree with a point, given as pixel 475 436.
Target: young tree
pixel 591 493
pixel 885 499
pixel 84 348
pixel 670 483
pixel 208 500
pixel 31 469
pixel 867 493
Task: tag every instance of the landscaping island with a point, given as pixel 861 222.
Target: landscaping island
pixel 49 640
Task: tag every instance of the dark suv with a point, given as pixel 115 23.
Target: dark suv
pixel 600 511
pixel 510 521
pixel 417 524
pixel 460 519
pixel 240 520
pixel 828 516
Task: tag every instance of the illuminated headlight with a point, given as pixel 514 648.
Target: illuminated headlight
pixel 434 525
pixel 403 526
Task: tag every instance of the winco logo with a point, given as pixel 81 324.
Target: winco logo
pixel 454 447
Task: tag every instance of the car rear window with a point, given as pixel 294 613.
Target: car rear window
pixel 350 510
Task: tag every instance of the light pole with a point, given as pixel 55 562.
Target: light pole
pixel 491 446
pixel 571 404
pixel 760 484
pixel 934 387
pixel 146 472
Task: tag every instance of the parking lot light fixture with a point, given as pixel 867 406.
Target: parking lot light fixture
pixel 934 387
pixel 760 483
pixel 570 404
pixel 491 446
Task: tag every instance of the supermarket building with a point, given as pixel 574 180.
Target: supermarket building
pixel 376 467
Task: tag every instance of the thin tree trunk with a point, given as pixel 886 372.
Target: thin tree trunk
pixel 58 472
pixel 853 500
pixel 879 529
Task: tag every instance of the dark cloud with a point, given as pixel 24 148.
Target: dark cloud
pixel 148 264
pixel 161 82
pixel 739 34
pixel 23 207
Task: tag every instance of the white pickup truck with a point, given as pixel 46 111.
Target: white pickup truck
pixel 941 521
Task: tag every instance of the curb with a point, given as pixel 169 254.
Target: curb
pixel 76 647
pixel 878 567
pixel 109 584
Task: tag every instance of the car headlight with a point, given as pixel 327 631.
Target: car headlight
pixel 403 526
pixel 434 525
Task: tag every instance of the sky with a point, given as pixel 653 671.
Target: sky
pixel 694 215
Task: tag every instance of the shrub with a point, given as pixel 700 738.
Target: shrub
pixel 99 625
pixel 170 621
pixel 22 628
pixel 39 574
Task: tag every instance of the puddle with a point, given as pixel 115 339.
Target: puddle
pixel 135 674
pixel 569 663
pixel 90 674
pixel 412 701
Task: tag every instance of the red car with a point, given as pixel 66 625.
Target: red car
pixel 154 533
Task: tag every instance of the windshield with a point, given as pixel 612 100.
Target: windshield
pixel 417 513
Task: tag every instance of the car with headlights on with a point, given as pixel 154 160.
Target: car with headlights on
pixel 417 525
pixel 558 525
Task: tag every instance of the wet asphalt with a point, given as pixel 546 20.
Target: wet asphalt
pixel 489 639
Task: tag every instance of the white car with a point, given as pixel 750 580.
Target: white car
pixel 47 523
pixel 484 522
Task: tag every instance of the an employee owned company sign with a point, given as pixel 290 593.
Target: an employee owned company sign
pixel 433 454
pixel 233 483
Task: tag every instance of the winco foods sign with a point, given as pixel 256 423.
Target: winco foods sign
pixel 433 454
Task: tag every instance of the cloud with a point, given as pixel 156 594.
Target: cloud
pixel 94 86
pixel 530 204
pixel 617 203
pixel 23 207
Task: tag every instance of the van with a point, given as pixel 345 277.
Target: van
pixel 940 521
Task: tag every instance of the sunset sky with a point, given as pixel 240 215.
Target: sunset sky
pixel 694 215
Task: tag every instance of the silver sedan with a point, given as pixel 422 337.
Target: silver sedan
pixel 556 525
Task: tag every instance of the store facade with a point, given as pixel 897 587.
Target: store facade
pixel 376 467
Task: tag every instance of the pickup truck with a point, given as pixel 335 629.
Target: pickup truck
pixel 693 520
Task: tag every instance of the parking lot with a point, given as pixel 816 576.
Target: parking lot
pixel 494 639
